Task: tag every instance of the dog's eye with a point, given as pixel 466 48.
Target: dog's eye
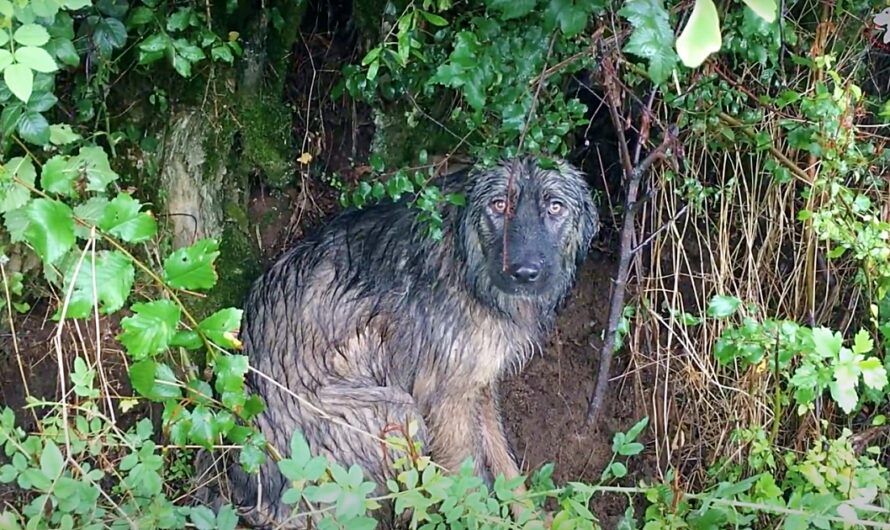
pixel 555 208
pixel 499 205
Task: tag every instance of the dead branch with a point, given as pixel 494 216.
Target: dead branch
pixel 633 176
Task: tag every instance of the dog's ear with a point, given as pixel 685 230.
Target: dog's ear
pixel 883 18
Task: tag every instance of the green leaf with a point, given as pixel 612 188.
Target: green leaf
pixel 123 219
pixel 765 9
pixel 5 57
pixel 618 469
pixel 862 342
pixel 114 274
pixel 36 59
pixel 652 37
pixel 202 431
pixel 510 9
pixel 42 101
pixel 140 16
pixel 151 328
pixel 20 80
pixel 108 35
pixel 154 381
pixel 52 463
pixel 436 20
pixel 31 35
pixel 180 20
pixel 99 174
pixel 64 51
pixel 571 17
pixel 34 128
pixel 722 306
pixel 219 327
pixel 157 42
pixel 62 134
pixel 873 373
pixel 203 518
pixel 701 36
pixel 51 228
pixel 15 177
pixel 827 343
pixel 58 176
pixel 89 212
pixel 251 458
pixel 192 267
pixel 222 53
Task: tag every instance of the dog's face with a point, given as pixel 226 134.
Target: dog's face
pixel 549 219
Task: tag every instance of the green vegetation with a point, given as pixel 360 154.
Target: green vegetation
pixel 762 277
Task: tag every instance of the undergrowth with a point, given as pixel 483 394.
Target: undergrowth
pixel 777 398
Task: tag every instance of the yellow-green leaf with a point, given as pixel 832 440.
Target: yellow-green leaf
pixel 20 80
pixel 701 36
pixel 36 59
pixel 765 9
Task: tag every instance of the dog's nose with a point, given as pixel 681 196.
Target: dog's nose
pixel 525 273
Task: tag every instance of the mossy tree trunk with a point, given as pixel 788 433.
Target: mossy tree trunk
pixel 231 124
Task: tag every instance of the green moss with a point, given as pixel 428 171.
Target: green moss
pixel 266 138
pixel 398 139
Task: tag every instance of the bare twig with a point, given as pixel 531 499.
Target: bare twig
pixel 633 175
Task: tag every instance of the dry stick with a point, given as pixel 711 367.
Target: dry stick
pixel 633 176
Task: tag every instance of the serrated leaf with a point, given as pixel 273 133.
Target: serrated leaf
pixel 89 212
pixel 16 222
pixel 124 219
pixel 203 518
pixel 251 458
pixel 58 176
pixel 15 177
pixel 765 9
pixel 701 36
pixel 34 128
pixel 140 16
pixel 846 396
pixel 873 373
pixel 569 16
pixel 510 9
pixel 51 228
pixel 94 162
pixel 652 38
pixel 114 276
pixel 108 35
pixel 827 343
pixel 220 326
pixel 20 80
pixel 862 342
pixel 192 267
pixel 31 35
pixel 36 59
pixel 151 328
pixel 722 306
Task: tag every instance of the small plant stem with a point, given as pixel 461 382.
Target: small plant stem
pixel 777 397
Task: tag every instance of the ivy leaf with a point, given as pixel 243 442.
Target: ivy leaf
pixel 219 327
pixel 13 194
pixel 36 59
pixel 652 36
pixel 192 267
pixel 58 177
pixel 151 328
pixel 765 9
pixel 722 306
pixel 31 35
pixel 34 128
pixel 123 219
pixel 99 174
pixel 113 281
pixel 510 9
pixel 20 80
pixel 701 36
pixel 222 53
pixel 51 228
pixel 873 373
